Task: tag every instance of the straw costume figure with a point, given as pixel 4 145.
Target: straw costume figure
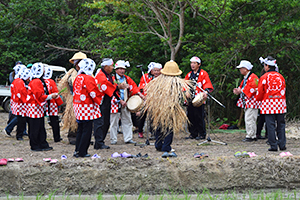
pixel 167 116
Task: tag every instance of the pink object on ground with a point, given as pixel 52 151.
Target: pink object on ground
pixel 126 155
pixel 19 160
pixel 3 161
pixel 288 154
pixel 53 161
pixel 252 154
pixel 282 154
pixel 47 159
pixel 10 160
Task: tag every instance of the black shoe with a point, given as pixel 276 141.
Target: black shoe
pixel 84 156
pixel 200 138
pixel 72 142
pixel 104 147
pixel 48 149
pixel 60 139
pixel 36 149
pixel 259 137
pixel 145 156
pixel 75 154
pixel 248 140
pixel 20 139
pixel 282 149
pixel 7 133
pixel 271 149
pixel 189 137
pixel 25 134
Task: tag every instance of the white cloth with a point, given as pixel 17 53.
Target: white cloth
pixel 153 65
pixel 26 74
pixel 246 64
pixel 126 125
pixel 87 66
pixel 122 64
pixel 269 62
pixel 19 71
pixel 107 62
pixel 195 59
pixel 37 70
pixel 250 122
pixel 48 73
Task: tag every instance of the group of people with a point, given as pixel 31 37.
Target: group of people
pixel 267 94
pixel 34 95
pixel 96 103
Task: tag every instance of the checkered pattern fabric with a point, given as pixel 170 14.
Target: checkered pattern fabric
pixel 249 103
pixel 34 110
pixel 114 105
pixel 86 111
pixel 273 106
pixel 53 109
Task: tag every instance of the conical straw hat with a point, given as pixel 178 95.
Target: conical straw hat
pixel 77 56
pixel 171 69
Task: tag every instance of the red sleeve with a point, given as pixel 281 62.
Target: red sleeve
pixel 104 85
pixel 252 84
pixel 54 89
pixel 132 86
pixel 20 90
pixel 261 90
pixel 93 90
pixel 37 89
pixel 207 83
pixel 187 77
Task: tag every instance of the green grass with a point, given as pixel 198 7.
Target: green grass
pixel 204 195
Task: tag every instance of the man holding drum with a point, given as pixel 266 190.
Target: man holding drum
pixel 196 114
pixel 119 107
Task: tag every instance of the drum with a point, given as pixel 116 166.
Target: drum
pixel 134 103
pixel 198 100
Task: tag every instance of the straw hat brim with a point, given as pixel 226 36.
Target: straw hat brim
pixel 171 73
pixel 77 56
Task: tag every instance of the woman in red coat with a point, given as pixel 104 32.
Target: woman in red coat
pixel 86 101
pixel 38 94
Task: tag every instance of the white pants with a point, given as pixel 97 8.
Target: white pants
pixel 250 122
pixel 126 125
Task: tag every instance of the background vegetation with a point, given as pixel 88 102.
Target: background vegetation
pixel 220 32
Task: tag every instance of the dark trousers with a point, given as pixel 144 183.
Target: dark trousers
pixel 196 118
pixel 134 119
pixel 101 125
pixel 271 120
pixel 163 141
pixel 141 123
pixel 83 137
pixel 54 122
pixel 260 125
pixel 21 126
pixel 37 133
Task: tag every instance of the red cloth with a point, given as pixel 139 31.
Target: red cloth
pixel 271 93
pixel 105 86
pixel 18 97
pixel 87 98
pixel 143 83
pixel 203 81
pixel 54 103
pixel 224 126
pixel 36 99
pixel 249 91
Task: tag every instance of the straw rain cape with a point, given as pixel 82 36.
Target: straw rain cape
pixel 165 97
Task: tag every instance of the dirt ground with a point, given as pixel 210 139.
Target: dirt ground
pixel 219 172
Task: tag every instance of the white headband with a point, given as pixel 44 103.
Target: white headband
pixel 37 70
pixel 269 62
pixel 195 59
pixel 122 64
pixel 153 65
pixel 107 62
pixel 87 66
pixel 19 71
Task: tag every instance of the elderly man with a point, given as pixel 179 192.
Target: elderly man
pixel 247 101
pixel 106 85
pixel 118 108
pixel 196 114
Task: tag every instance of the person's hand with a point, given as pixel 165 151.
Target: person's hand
pixel 138 113
pixel 237 91
pixel 123 103
pixel 204 95
pixel 54 95
pixel 123 85
pixel 187 95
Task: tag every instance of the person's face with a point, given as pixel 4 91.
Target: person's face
pixel 120 71
pixel 155 72
pixel 243 71
pixel 266 67
pixel 195 66
pixel 109 68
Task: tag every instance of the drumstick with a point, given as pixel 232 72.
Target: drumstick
pixel 211 97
